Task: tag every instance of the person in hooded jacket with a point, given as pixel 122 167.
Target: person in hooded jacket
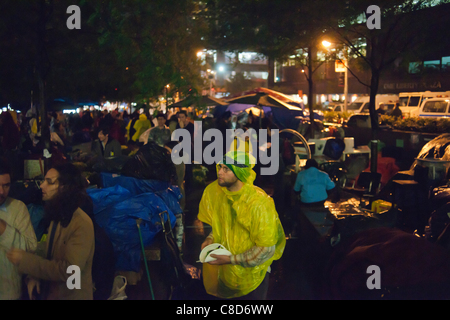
pixel 141 125
pixel 244 220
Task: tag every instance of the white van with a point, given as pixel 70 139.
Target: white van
pixel 361 104
pixel 410 102
pixel 434 108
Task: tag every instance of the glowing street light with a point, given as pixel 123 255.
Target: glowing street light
pixel 326 44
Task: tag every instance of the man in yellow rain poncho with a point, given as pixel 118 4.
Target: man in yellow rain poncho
pixel 244 220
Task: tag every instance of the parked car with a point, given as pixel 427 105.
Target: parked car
pixel 335 106
pixel 361 104
pixel 410 102
pixel 435 108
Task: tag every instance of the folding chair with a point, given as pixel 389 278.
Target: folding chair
pixel 367 185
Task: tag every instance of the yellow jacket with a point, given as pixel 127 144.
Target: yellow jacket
pixel 240 220
pixel 141 126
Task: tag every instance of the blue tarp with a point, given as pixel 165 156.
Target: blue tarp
pixel 104 198
pixel 36 214
pixel 170 194
pixel 125 199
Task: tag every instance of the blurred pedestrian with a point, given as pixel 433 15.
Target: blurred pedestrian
pixel 161 133
pixel 10 141
pixel 184 123
pixel 396 112
pixel 16 231
pixel 141 125
pixel 381 110
pixel 130 127
pixel 70 241
pixel 173 123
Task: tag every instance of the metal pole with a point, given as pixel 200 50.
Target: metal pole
pixel 373 155
pixel 346 88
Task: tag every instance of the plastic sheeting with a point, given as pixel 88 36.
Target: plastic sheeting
pixel 170 194
pixel 239 220
pixel 116 210
pixel 36 214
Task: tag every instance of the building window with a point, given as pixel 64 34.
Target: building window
pixel 258 75
pixel 230 57
pixel 446 63
pixel 432 65
pixel 414 67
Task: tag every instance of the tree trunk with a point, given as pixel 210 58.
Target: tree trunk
pixel 311 92
pixel 374 119
pixel 42 71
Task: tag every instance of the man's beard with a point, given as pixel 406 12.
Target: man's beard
pixel 227 184
pixel 2 200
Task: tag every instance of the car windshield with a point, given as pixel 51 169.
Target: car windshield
pixel 354 106
pixel 435 106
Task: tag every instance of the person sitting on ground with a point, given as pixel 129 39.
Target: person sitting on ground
pixel 70 242
pixel 106 147
pixel 161 133
pixel 16 231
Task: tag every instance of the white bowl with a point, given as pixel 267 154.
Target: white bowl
pixel 216 248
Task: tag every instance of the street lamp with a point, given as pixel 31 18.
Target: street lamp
pixel 327 44
pixel 167 89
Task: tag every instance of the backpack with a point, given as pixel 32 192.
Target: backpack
pixel 185 280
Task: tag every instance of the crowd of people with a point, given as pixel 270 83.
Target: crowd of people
pixel 36 268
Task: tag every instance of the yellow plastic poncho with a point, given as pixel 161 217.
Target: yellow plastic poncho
pixel 141 126
pixel 240 220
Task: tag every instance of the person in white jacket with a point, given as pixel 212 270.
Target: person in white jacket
pixel 16 231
